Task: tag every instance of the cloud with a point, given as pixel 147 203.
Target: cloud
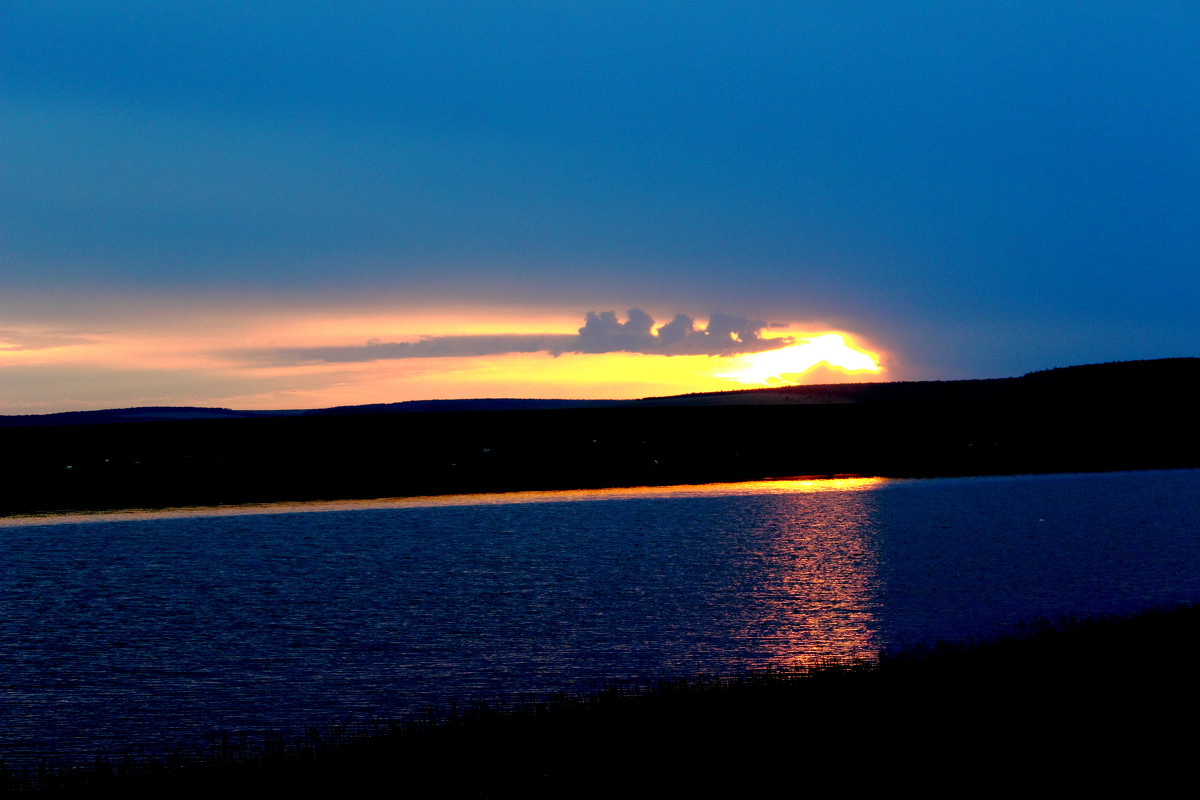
pixel 25 340
pixel 602 332
pixel 430 347
pixel 724 336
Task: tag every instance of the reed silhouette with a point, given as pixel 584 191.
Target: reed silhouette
pixel 1077 703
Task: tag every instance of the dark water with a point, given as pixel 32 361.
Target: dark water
pixel 143 632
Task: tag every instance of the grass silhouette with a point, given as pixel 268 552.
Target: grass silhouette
pixel 1067 705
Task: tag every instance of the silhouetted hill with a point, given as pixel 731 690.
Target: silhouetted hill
pixel 178 413
pixel 112 416
pixel 1129 415
pixel 1121 376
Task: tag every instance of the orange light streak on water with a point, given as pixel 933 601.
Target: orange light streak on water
pixel 745 488
pixel 821 584
pixel 813 589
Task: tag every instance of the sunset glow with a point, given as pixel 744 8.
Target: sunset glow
pixel 291 204
pixel 273 359
pixel 786 365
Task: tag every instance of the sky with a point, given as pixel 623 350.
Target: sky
pixel 300 205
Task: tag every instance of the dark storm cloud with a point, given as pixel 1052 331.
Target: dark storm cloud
pixel 602 332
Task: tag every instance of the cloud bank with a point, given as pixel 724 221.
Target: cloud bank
pixel 602 332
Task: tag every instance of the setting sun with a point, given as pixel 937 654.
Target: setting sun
pixel 786 365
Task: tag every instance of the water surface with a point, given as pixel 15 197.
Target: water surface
pixel 150 629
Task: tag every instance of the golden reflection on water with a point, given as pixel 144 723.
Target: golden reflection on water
pixel 809 595
pixel 782 486
pixel 809 580
pixel 821 583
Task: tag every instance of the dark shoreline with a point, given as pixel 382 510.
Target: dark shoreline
pixel 1077 702
pixel 1124 416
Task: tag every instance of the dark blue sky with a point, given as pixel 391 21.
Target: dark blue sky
pixel 978 189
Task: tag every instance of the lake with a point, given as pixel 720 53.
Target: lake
pixel 146 631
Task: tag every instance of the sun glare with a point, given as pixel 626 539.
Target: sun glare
pixel 787 365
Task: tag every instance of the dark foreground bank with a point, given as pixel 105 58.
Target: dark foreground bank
pixel 1083 703
pixel 1123 416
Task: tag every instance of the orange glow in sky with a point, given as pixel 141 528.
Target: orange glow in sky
pixel 230 360
pixel 786 365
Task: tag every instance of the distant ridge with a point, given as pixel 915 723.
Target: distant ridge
pixel 180 413
pixel 140 414
pixel 1115 375
pixel 481 404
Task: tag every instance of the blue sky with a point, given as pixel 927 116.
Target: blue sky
pixel 970 189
